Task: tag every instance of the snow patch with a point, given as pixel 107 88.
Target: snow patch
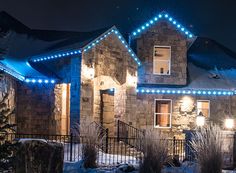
pixel 23 140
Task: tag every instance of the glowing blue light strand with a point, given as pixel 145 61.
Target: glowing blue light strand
pixel 168 18
pixel 91 45
pixel 189 92
pixel 34 80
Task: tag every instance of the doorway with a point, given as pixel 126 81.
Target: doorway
pixel 107 117
pixel 65 110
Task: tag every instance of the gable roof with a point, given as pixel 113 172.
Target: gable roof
pixel 162 16
pixel 85 45
pixel 28 47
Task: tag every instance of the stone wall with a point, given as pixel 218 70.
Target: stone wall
pixel 34 108
pixel 106 66
pixel 8 85
pixel 162 34
pixel 183 111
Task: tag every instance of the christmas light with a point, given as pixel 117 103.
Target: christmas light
pixel 166 17
pixel 187 91
pixel 93 44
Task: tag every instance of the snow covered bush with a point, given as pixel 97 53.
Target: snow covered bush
pixel 207 145
pixel 155 149
pixel 91 138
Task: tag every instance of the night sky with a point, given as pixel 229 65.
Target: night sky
pixel 211 18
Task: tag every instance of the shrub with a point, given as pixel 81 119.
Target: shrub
pixel 155 149
pixel 207 146
pixel 91 138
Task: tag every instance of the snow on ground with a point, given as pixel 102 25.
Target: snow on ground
pixel 104 159
pixel 77 167
pixel 23 140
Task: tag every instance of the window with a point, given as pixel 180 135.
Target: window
pixel 162 116
pixel 203 107
pixel 161 60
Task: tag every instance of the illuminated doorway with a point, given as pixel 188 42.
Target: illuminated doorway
pixel 65 109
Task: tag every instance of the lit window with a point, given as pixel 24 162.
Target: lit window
pixel 161 60
pixel 203 108
pixel 162 116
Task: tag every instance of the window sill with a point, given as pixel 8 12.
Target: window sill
pixel 158 127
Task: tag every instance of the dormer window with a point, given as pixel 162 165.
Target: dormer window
pixel 161 60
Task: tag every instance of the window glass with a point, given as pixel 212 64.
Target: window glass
pixel 162 113
pixel 161 60
pixel 203 107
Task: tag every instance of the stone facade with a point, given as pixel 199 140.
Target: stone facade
pixel 162 34
pixel 106 66
pixel 34 108
pixel 39 108
pixel 8 85
pixel 184 111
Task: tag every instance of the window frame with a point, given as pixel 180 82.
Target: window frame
pixel 170 114
pixel 161 60
pixel 209 111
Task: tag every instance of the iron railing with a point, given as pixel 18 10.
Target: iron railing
pixel 126 132
pixel 116 152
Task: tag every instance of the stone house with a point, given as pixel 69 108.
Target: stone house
pixel 161 77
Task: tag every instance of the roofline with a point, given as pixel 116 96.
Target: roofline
pixel 162 15
pixel 21 77
pixel 93 43
pixel 11 72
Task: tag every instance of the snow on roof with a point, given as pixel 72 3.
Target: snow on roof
pixel 25 43
pixel 211 66
pixel 78 48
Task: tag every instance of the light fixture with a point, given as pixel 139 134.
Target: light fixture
pixel 200 120
pixel 229 123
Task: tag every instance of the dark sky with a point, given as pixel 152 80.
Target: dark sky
pixel 212 18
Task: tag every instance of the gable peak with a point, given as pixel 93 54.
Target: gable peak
pixel 162 16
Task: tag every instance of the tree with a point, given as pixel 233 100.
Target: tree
pixel 7 147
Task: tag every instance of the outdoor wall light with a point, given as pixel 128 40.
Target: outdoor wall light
pixel 131 80
pixel 229 123
pixel 88 72
pixel 200 120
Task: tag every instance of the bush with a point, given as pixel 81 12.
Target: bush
pixel 155 149
pixel 207 146
pixel 90 134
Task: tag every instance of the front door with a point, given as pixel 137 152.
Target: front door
pixel 107 118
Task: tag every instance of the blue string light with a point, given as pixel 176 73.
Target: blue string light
pixel 91 45
pixel 166 17
pixel 34 80
pixel 187 91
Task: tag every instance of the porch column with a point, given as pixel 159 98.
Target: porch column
pixel 75 91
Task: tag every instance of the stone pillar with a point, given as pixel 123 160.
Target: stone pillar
pixel 75 91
